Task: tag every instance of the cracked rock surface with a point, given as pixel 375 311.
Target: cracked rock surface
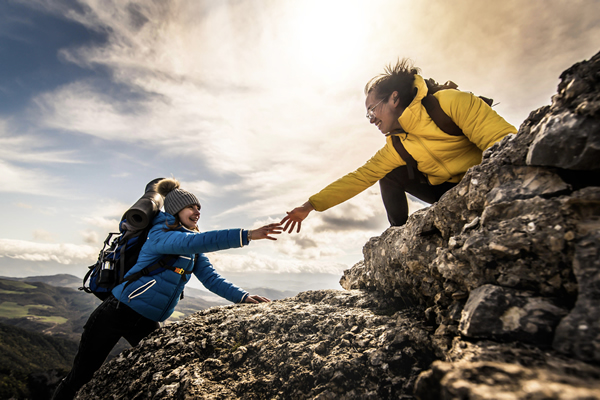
pixel 322 344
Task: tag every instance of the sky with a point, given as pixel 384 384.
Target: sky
pixel 253 105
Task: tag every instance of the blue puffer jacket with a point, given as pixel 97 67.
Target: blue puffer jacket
pixel 155 296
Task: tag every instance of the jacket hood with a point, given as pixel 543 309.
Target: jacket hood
pixel 422 90
pixel 412 113
pixel 161 217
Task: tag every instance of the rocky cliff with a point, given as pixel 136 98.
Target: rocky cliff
pixel 491 293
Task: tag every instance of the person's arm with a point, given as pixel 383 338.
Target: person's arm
pixel 348 186
pixel 214 282
pixel 179 242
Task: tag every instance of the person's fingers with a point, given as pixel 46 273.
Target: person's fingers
pixel 287 217
pixel 299 226
pixel 293 225
pixel 255 299
pixel 275 229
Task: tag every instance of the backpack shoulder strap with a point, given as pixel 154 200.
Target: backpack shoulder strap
pixel 439 117
pixel 162 263
pixel 408 159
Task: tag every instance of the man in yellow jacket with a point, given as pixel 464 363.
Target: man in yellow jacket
pixel 394 105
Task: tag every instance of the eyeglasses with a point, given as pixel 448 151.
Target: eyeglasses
pixel 371 111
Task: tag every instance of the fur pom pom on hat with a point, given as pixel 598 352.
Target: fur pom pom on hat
pixel 176 199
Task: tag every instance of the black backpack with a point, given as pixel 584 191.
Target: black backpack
pixel 439 117
pixel 121 249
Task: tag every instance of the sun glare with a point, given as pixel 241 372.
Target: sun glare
pixel 328 37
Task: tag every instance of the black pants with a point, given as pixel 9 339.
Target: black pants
pixel 396 184
pixel 105 326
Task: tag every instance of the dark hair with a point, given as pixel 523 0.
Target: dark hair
pixel 176 225
pixel 398 78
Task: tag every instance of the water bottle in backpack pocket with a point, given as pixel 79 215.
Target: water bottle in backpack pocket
pixel 116 258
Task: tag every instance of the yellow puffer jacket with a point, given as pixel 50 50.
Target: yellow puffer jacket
pixel 441 157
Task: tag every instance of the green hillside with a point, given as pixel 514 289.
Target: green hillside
pixel 61 311
pixel 23 354
pixel 38 307
pixel 25 351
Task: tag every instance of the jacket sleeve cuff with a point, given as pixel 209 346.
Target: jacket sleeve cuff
pixel 316 204
pixel 244 297
pixel 245 240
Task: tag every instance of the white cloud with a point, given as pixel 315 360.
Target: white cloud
pixel 261 263
pixel 90 237
pixel 27 180
pixel 204 189
pixel 43 235
pixel 105 214
pixel 109 208
pixel 105 224
pixel 63 253
pixel 238 120
pixel 103 217
pixel 22 157
pixel 29 147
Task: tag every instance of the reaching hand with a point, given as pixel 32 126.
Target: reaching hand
pixel 254 298
pixel 265 231
pixel 296 216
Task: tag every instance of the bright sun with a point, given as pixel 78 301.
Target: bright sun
pixel 329 36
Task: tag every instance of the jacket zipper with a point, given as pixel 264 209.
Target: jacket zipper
pixel 169 303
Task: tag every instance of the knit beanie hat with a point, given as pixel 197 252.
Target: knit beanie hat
pixel 176 199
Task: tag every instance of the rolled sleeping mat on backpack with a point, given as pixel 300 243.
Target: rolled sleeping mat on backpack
pixel 146 208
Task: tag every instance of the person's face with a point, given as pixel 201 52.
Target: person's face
pixel 384 114
pixel 189 216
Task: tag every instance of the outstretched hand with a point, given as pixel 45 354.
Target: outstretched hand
pixel 264 232
pixel 296 216
pixel 255 299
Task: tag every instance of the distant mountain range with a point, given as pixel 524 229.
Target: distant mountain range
pixel 74 282
pixel 52 305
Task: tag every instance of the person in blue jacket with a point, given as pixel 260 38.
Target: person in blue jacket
pixel 136 307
